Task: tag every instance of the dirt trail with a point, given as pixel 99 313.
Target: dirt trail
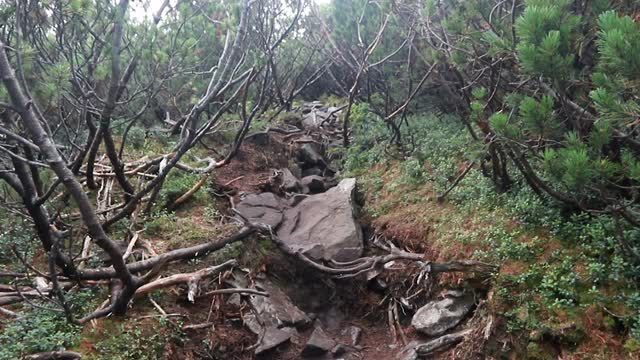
pixel 287 180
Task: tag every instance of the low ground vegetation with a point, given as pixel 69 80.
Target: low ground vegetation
pixel 564 279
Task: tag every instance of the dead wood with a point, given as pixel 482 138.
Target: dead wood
pixel 197 326
pixel 8 300
pixel 468 168
pixel 186 196
pixel 171 256
pixel 54 355
pixel 8 313
pixel 234 291
pixel 191 279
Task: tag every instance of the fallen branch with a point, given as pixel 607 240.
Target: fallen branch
pixel 13 274
pixel 186 196
pixel 191 279
pixel 54 355
pixel 8 313
pixel 8 300
pixel 235 291
pixel 175 255
pixel 197 326
pixel 441 197
pixel 131 245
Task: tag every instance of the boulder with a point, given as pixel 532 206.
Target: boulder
pixel 313 184
pixel 437 317
pixel 319 343
pixel 265 208
pixel 323 226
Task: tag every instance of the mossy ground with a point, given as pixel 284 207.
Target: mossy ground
pixel 555 295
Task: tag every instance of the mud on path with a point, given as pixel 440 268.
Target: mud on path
pixel 289 180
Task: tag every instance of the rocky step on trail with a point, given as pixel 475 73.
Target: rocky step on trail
pixel 333 301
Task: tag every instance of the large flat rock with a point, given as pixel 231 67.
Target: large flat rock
pixel 323 226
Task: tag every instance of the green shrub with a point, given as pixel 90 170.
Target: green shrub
pixel 128 340
pixel 136 137
pixel 40 330
pixel 175 185
pixel 16 233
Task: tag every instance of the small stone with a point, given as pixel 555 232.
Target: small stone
pixel 252 323
pixel 272 338
pixel 409 352
pixel 278 309
pixel 339 350
pixel 455 293
pixel 354 333
pixel 319 343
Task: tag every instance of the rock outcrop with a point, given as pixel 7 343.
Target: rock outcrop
pixel 323 226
